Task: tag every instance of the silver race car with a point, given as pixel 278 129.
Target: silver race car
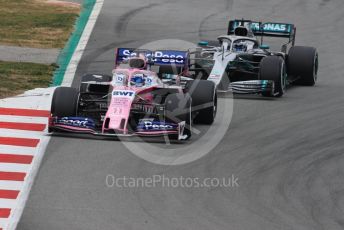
pixel 242 63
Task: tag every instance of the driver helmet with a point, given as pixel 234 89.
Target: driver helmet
pixel 138 80
pixel 240 47
pixel 138 62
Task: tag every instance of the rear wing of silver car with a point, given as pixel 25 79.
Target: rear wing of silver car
pixel 266 29
pixel 270 29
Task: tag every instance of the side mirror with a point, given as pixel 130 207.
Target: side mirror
pixel 203 43
pixel 264 47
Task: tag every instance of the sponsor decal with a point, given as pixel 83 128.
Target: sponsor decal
pixel 123 93
pixel 120 101
pixel 158 57
pixel 76 122
pixel 168 57
pixel 119 79
pixel 149 125
pixel 271 27
pixel 268 27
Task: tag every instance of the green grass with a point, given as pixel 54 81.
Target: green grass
pixel 36 23
pixel 32 23
pixel 17 77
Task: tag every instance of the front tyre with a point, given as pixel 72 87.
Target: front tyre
pixel 65 102
pixel 204 100
pixel 177 109
pixel 273 68
pixel 302 65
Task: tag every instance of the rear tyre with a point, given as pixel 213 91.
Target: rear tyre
pixel 273 68
pixel 65 102
pixel 204 100
pixel 302 65
pixel 177 109
pixel 93 77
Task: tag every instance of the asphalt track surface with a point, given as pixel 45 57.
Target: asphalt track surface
pixel 287 153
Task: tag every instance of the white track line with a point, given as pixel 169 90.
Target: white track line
pixel 73 64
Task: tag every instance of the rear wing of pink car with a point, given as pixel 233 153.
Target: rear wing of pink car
pixel 159 57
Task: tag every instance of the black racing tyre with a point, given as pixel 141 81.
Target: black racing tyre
pixel 93 77
pixel 204 100
pixel 273 68
pixel 65 102
pixel 177 109
pixel 302 65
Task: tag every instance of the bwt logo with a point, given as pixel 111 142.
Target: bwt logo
pixel 123 93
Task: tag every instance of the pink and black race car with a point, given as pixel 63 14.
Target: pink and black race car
pixel 136 100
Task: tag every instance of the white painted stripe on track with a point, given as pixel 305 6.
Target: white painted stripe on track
pixel 74 62
pixel 35 120
pixel 39 99
pixel 8 203
pixel 3 223
pixel 19 150
pixel 13 167
pixel 21 133
pixel 11 185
